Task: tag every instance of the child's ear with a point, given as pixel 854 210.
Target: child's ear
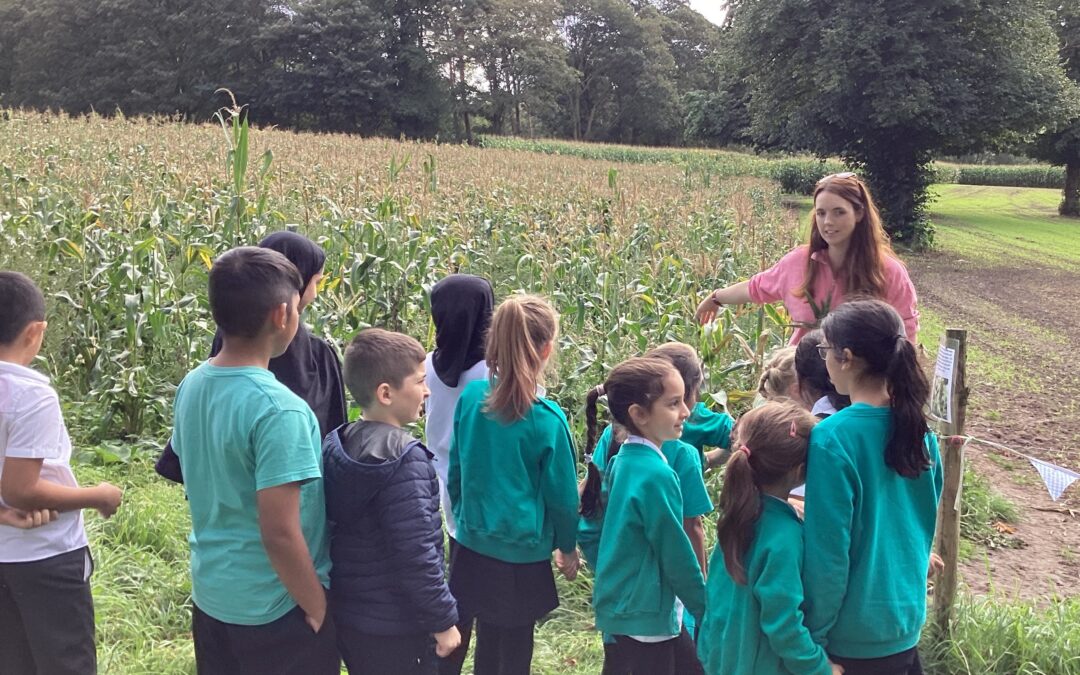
pixel 638 415
pixel 545 351
pixel 279 316
pixel 35 331
pixel 847 356
pixel 384 395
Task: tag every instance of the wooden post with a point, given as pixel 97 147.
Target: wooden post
pixel 952 459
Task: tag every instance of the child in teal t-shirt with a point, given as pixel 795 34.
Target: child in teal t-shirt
pixel 753 623
pixel 250 454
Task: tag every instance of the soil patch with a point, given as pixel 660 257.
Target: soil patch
pixel 1024 338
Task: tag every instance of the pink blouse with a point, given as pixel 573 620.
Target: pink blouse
pixel 778 283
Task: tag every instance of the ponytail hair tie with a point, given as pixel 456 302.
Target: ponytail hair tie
pixel 794 431
pixel 743 448
pixel 599 389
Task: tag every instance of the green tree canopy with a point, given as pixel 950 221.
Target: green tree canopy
pixel 885 84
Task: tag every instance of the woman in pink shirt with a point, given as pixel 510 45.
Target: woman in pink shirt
pixel 849 255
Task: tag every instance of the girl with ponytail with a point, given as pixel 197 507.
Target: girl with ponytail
pixel 513 491
pixel 646 570
pixel 685 459
pixel 754 622
pixel 873 483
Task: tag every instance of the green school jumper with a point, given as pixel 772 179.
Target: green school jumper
pixel 757 628
pixel 512 486
pixel 685 460
pixel 707 428
pixel 868 536
pixel 645 559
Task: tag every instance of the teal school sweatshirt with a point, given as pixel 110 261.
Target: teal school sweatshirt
pixel 645 559
pixel 686 462
pixel 869 533
pixel 757 628
pixel 512 486
pixel 705 428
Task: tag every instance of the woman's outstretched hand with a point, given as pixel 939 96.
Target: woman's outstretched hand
pixel 706 311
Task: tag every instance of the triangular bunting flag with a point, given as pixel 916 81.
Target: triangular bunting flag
pixel 1057 478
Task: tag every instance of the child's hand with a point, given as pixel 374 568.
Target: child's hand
pixel 447 641
pixel 109 497
pixel 27 520
pixel 313 623
pixel 836 670
pixel 568 564
pixel 937 566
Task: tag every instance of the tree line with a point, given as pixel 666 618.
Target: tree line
pixel 601 70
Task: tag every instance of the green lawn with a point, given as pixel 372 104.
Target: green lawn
pixel 1002 224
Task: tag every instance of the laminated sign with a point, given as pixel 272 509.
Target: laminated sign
pixel 941 389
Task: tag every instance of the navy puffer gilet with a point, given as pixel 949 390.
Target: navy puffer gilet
pixel 382 500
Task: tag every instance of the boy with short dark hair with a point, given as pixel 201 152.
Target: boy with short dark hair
pixel 391 603
pixel 249 451
pixel 46 610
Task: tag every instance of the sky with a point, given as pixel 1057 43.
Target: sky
pixel 710 8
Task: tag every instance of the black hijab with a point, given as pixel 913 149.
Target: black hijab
pixel 309 367
pixel 461 305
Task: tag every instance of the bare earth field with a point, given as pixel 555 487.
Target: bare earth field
pixel 1007 269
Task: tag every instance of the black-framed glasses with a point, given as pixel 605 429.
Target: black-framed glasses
pixel 823 351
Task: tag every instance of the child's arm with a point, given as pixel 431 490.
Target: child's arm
pixel 558 488
pixel 779 592
pixel 829 512
pixel 662 514
pixel 22 488
pixel 695 532
pixel 27 520
pixel 282 537
pixel 405 517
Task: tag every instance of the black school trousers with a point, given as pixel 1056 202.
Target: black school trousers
pixel 286 646
pixel 47 616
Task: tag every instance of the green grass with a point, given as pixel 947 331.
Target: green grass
pixel 1000 636
pixel 1005 225
pixel 141 584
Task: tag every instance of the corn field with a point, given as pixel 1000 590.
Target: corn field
pixel 118 220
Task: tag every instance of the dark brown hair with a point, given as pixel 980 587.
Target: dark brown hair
pixel 636 381
pixel 874 332
pixel 767 450
pixel 864 263
pixel 21 303
pixel 376 356
pixel 520 328
pixel 246 283
pixel 686 360
pixel 813 376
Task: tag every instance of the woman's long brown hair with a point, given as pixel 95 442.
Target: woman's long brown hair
pixel 864 264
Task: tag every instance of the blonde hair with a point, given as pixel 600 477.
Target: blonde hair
pixel 520 328
pixel 778 374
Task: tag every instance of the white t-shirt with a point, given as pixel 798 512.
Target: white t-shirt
pixel 439 425
pixel 32 427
